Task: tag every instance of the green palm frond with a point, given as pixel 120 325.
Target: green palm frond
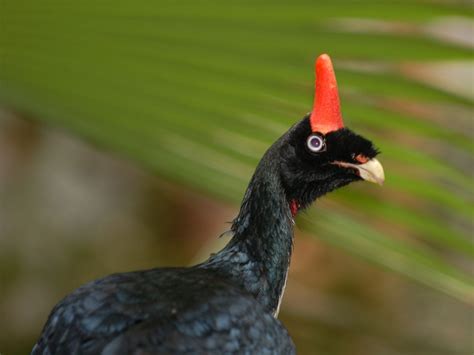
pixel 196 90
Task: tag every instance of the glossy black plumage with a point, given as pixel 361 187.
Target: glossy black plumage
pixel 162 311
pixel 227 304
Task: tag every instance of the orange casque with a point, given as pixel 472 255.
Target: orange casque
pixel 326 115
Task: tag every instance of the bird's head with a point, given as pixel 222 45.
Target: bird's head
pixel 319 154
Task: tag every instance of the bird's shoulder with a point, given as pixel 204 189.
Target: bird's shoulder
pixel 117 311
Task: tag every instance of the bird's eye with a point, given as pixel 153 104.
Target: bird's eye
pixel 315 143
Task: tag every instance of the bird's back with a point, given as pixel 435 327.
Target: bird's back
pixel 162 311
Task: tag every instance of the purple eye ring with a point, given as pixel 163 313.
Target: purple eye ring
pixel 316 143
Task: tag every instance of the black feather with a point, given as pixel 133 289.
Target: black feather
pixel 227 304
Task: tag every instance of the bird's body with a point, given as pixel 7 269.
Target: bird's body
pixel 163 311
pixel 225 305
pixel 229 303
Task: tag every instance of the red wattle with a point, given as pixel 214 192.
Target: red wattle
pixel 294 207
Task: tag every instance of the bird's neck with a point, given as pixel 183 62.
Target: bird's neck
pixel 258 255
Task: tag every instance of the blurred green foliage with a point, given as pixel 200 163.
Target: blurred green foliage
pixel 196 91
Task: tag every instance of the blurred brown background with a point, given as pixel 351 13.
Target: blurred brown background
pixel 129 130
pixel 71 213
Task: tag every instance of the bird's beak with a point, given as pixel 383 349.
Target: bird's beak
pixel 371 171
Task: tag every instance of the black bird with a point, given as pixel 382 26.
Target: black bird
pixel 229 303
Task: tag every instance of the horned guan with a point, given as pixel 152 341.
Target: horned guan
pixel 229 303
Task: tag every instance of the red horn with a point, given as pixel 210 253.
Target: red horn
pixel 326 115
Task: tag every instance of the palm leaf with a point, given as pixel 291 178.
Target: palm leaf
pixel 195 91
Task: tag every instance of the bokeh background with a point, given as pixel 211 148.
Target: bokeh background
pixel 129 130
